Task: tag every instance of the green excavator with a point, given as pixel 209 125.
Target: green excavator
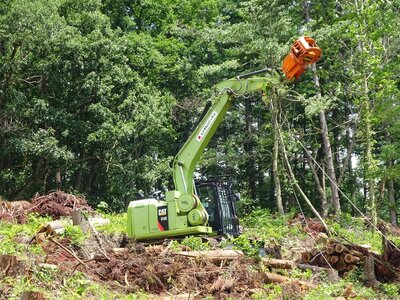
pixel 209 207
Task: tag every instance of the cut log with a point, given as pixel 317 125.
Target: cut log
pixel 322 239
pixel 341 266
pixel 334 259
pixel 306 256
pixel 346 257
pixel 330 249
pixel 351 267
pixel 311 267
pixel 355 253
pixel 339 248
pixel 326 256
pixel 320 260
pixel 213 254
pixel 275 278
pixel 279 263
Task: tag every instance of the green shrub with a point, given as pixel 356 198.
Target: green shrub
pixel 75 233
pixel 195 243
pixel 392 290
pixel 262 224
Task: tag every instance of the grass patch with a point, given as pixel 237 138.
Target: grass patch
pixel 11 233
pixel 75 234
pixel 118 223
pixel 355 231
pixel 195 243
pixel 331 291
pixel 262 224
pixel 54 284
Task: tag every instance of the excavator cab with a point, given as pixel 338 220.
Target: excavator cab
pixel 219 201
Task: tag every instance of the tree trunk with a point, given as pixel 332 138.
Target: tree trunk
pixel 392 202
pixel 324 132
pixel 369 163
pixel 275 151
pixel 58 179
pixel 328 153
pixel 320 187
pixel 391 190
pixel 295 183
pixel 248 147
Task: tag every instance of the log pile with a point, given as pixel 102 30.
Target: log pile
pixel 344 258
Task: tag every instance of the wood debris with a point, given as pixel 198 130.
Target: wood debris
pixel 58 204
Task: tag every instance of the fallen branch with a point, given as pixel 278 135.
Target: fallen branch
pixel 214 254
pixel 126 279
pixel 167 248
pixel 69 251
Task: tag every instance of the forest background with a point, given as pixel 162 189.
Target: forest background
pixel 97 96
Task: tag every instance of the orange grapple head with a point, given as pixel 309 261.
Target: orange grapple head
pixel 303 53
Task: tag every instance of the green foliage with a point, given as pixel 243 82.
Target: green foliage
pixel 195 243
pixel 75 234
pixel 103 207
pixel 392 290
pixel 248 246
pixel 54 283
pixel 269 292
pixel 335 290
pixel 117 223
pixel 105 92
pixel 356 231
pixel 10 233
pixel 262 224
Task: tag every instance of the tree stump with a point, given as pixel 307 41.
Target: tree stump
pixel 369 272
pixel 77 217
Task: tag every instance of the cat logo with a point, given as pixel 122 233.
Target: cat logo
pixel 162 212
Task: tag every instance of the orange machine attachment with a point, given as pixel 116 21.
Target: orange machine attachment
pixel 303 53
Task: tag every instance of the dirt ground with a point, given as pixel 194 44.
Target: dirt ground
pixel 133 266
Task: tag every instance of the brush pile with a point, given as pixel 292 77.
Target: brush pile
pixel 55 204
pixel 58 204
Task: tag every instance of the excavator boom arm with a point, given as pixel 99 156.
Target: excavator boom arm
pixel 226 91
